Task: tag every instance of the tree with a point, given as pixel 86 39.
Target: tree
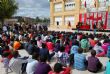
pixel 7 9
pixel 38 20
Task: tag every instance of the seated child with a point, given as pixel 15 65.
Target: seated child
pixel 62 56
pixel 108 68
pixel 5 61
pixel 59 69
pixel 94 64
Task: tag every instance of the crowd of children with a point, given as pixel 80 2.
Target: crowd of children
pixel 65 48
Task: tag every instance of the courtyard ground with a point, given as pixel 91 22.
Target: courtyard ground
pixel 24 53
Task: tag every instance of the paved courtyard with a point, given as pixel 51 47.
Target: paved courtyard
pixel 24 53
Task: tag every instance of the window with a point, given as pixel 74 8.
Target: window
pixel 69 20
pixel 58 20
pixel 88 3
pixel 58 7
pixel 102 3
pixel 69 5
pixel 82 3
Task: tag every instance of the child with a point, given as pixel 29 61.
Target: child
pixel 59 69
pixel 63 57
pixel 5 61
pixel 94 64
pixel 108 68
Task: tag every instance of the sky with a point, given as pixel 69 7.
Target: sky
pixel 33 8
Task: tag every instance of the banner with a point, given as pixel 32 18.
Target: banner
pixel 85 18
pixel 106 18
pixel 97 17
pixel 80 17
pixel 93 18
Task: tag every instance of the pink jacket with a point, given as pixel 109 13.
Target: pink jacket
pixel 105 47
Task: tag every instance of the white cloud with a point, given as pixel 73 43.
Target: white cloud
pixel 33 8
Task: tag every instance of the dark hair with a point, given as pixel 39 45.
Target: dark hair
pixel 15 54
pixel 106 41
pixel 12 39
pixel 93 52
pixel 43 58
pixel 5 54
pixel 62 48
pixel 75 42
pixel 39 38
pixel 35 56
pixel 31 41
pixel 43 45
pixel 6 47
pixel 16 39
pixel 99 44
pixel 66 43
pixel 84 37
pixel 58 41
pixel 58 67
pixel 80 50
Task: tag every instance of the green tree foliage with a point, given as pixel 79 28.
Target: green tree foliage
pixel 7 9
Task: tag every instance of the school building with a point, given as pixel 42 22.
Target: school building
pixel 64 13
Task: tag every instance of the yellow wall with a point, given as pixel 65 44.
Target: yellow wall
pixel 109 9
pixel 75 12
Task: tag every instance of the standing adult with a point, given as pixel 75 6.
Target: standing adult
pixel 95 27
pixel 57 24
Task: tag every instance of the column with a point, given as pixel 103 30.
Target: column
pixel 63 10
pixel 51 13
pixel 77 8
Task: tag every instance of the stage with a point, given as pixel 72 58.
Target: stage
pixel 107 31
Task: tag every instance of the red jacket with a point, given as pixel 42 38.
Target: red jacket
pixel 65 71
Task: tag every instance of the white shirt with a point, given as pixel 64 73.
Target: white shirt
pixel 39 43
pixel 4 28
pixel 98 49
pixel 15 64
pixel 45 38
pixel 31 66
pixel 6 62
